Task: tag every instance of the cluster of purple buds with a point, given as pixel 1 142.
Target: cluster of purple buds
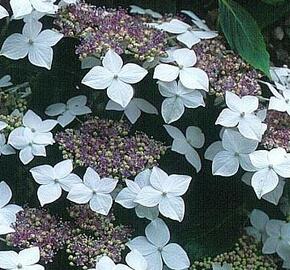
pixel 278 130
pixel 226 70
pixel 105 146
pixel 99 29
pixel 95 236
pixel 36 227
pixel 246 255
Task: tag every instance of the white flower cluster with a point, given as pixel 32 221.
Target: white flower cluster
pixel 274 234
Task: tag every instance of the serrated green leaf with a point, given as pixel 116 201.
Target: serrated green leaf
pixel 243 35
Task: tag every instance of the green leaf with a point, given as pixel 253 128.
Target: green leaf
pixel 243 35
pixel 273 2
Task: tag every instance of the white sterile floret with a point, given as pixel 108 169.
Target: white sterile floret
pixel 94 190
pixel 7 211
pixel 32 42
pixel 240 114
pixel 281 75
pixel 187 34
pixel 128 195
pixel 278 240
pixel 53 180
pixel 24 7
pixel 185 145
pixel 224 266
pixel 165 192
pixel 133 109
pixel 281 99
pixel 3 12
pixel 190 76
pixel 273 196
pixel 134 260
pixel 33 137
pixel 258 221
pixel 269 166
pixel 235 153
pixel 156 250
pixel 68 112
pixel 115 77
pixel 177 97
pixel 141 11
pixel 5 149
pixel 26 259
pixel 5 81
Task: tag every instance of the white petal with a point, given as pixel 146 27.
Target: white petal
pixel 159 179
pixel 174 132
pixel 172 109
pixel 49 193
pixel 132 112
pixel 228 118
pixel 225 164
pixel 126 198
pixel 175 26
pixel 166 73
pixel 275 195
pixel 184 57
pixel 55 109
pixel 145 106
pixel 113 62
pixel 46 126
pixel 132 73
pixel 143 178
pixel 157 233
pixel 66 118
pixel 234 102
pixel 80 194
pixel 101 203
pixel 69 181
pixel 195 137
pixel 106 185
pixel 194 78
pixel 264 181
pixel 40 55
pixel 154 261
pixel 175 257
pixel 148 197
pixel 188 38
pixel 251 127
pixel 91 178
pixel 3 12
pixel 29 256
pixel 38 150
pixel 168 89
pixel 120 92
pixel 15 47
pixel 48 38
pixel 43 174
pixel 8 259
pixel 213 149
pixel 26 155
pixel 136 261
pixel 260 159
pixel 277 104
pixel 178 184
pixel 150 213
pixel 18 139
pixel 105 263
pixel 5 194
pixel 259 219
pixel 20 8
pixel 270 245
pixel 63 169
pixel 7 150
pixel 249 104
pixel 98 78
pixel 193 158
pixel 141 244
pixel 172 208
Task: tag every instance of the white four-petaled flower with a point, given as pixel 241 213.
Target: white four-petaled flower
pixel 133 109
pixel 7 211
pixel 240 113
pixel 94 190
pixel 176 98
pixel 68 112
pixel 115 77
pixel 186 34
pixel 191 77
pixel 156 250
pixel 165 192
pixel 33 137
pixel 269 166
pixel 32 42
pixel 234 153
pixel 26 259
pixel 128 195
pixel 185 145
pixel 53 180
